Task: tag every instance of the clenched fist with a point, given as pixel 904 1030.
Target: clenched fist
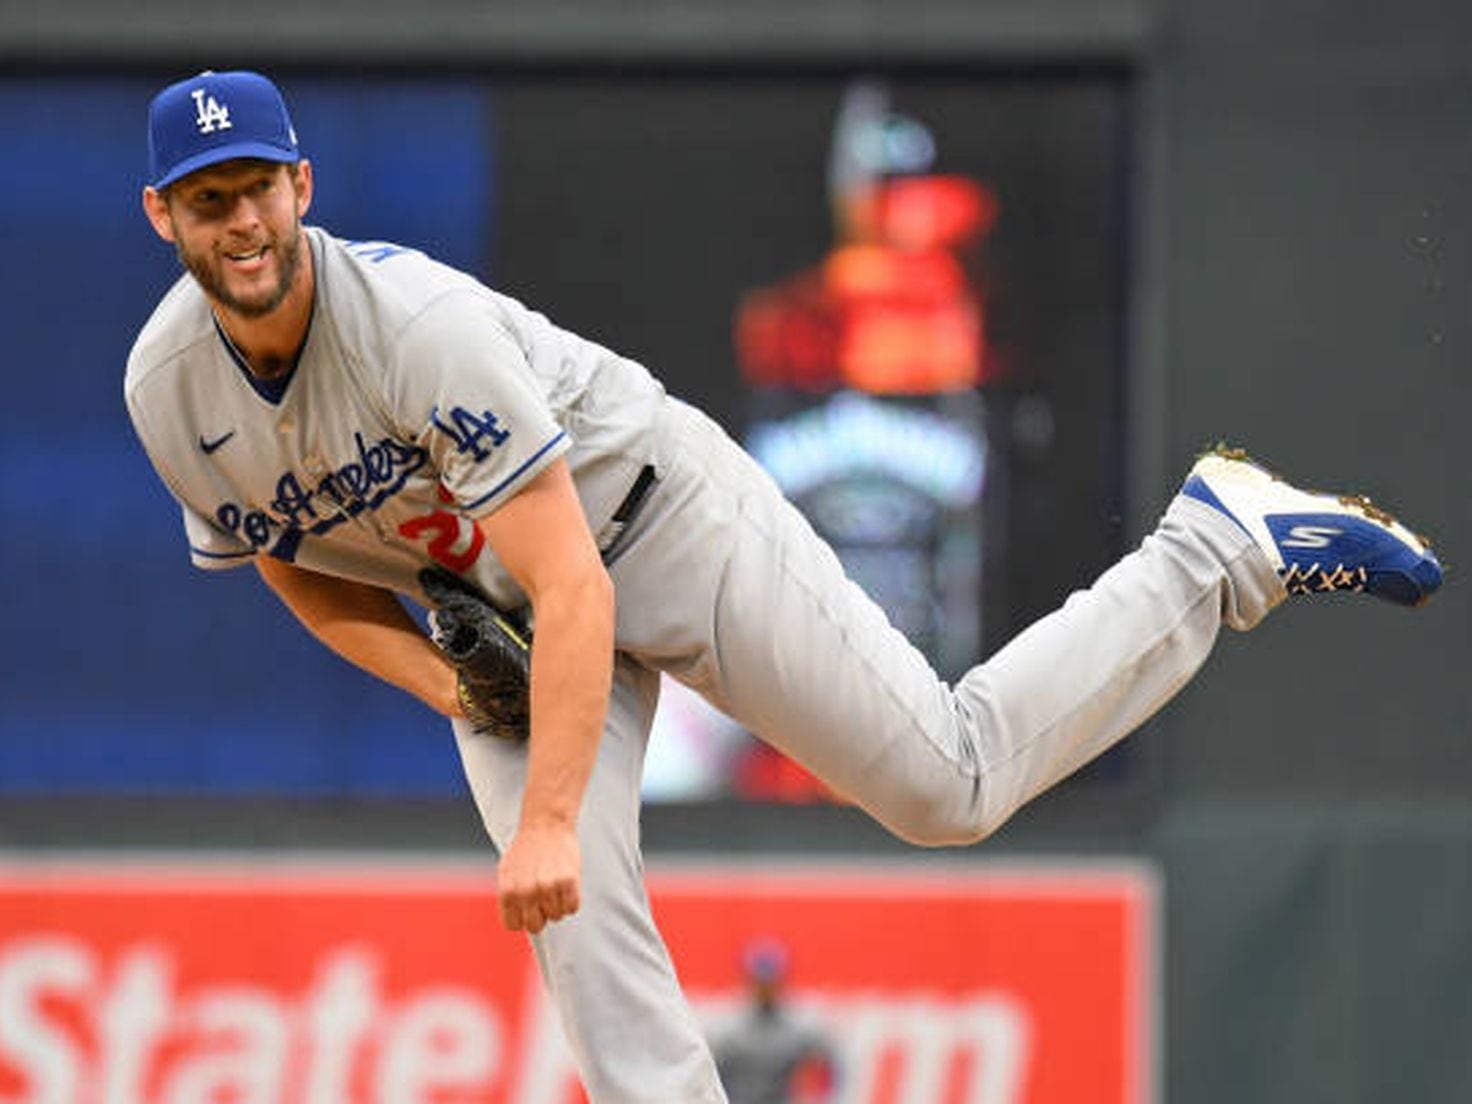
pixel 538 878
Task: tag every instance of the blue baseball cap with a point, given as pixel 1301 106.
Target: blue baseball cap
pixel 216 117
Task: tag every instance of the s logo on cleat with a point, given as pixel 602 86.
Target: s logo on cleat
pixel 1309 536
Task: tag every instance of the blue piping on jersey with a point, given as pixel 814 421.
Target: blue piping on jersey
pixel 514 476
pixel 221 555
pixel 273 390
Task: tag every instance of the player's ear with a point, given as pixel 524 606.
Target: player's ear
pixel 156 207
pixel 301 182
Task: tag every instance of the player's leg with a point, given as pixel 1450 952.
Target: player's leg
pixel 632 1033
pixel 799 654
pixel 823 675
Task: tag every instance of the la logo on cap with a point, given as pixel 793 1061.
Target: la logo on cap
pixel 210 115
pixel 213 117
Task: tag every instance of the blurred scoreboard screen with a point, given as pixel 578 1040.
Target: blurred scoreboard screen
pixel 905 293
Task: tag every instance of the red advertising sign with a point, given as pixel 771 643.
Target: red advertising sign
pixel 358 982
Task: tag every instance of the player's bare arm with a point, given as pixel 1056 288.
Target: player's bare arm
pixel 541 536
pixel 368 627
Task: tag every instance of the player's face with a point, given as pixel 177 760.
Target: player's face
pixel 237 229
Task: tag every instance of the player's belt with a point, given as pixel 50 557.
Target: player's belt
pixel 627 511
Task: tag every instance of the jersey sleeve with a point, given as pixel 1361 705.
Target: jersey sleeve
pixel 463 386
pixel 210 546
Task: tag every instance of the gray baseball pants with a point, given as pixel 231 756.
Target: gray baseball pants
pixel 723 584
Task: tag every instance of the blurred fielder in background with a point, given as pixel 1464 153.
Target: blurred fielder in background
pixel 772 1053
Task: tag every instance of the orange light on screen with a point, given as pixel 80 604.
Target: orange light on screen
pixel 935 212
pixel 910 321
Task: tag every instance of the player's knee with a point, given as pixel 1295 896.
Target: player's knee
pixel 943 835
pixel 943 824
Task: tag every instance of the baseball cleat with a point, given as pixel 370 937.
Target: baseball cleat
pixel 1317 542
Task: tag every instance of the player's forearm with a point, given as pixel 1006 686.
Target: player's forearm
pixel 572 673
pixel 368 627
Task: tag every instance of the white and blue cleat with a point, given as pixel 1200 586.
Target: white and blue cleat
pixel 1317 542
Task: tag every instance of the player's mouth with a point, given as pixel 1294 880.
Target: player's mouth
pixel 248 260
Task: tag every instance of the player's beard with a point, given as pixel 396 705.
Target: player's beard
pixel 207 270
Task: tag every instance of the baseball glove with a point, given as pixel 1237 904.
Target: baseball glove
pixel 490 652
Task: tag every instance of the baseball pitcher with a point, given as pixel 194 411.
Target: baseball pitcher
pixel 359 422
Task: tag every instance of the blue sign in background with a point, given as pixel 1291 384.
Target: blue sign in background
pixel 124 668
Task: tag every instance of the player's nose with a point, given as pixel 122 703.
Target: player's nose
pixel 244 214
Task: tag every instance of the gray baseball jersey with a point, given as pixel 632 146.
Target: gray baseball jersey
pixel 421 401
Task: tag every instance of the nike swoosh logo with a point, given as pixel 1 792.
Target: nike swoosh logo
pixel 208 447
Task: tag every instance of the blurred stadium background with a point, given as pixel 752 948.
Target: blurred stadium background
pixel 1153 225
